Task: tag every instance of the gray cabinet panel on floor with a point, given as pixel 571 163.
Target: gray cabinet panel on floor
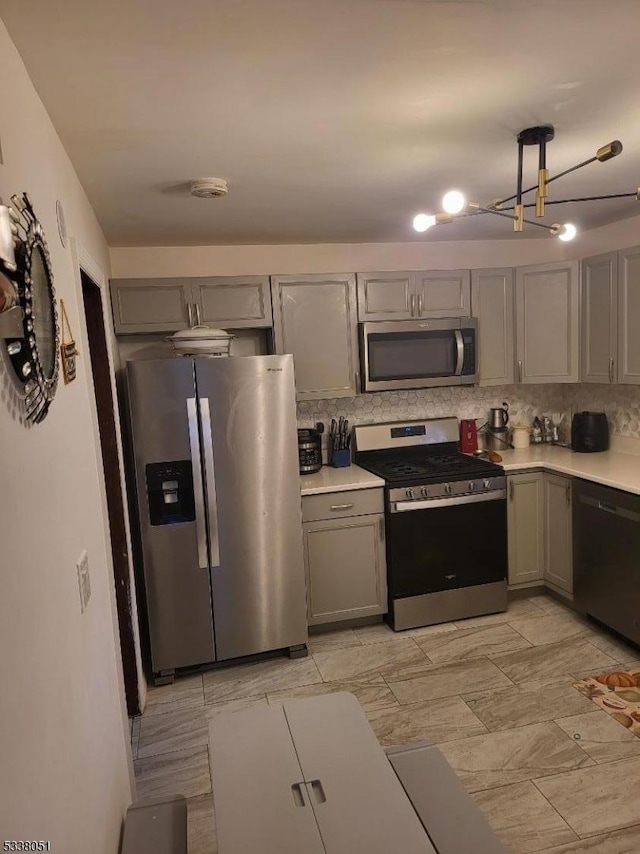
pixel 315 319
pixel 492 303
pixel 599 327
pixel 150 305
pixel 233 302
pixel 629 316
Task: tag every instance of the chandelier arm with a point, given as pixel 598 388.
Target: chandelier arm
pixel 582 199
pixel 515 218
pixel 549 180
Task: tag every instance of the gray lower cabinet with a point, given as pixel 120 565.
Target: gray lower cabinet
pixel 492 303
pixel 629 316
pixel 315 319
pixel 344 555
pixel 167 305
pixel 599 319
pixel 525 524
pixel 547 323
pixel 558 545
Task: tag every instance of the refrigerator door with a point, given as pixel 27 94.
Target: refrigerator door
pixel 247 407
pixel 164 424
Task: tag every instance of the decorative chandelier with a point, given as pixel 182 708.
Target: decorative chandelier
pixel 456 205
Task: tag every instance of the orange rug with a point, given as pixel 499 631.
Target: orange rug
pixel 618 694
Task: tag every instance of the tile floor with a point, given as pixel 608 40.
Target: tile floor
pixel 549 769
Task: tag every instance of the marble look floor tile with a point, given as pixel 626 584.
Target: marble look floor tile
pixel 550 605
pixel 552 628
pixel 625 841
pixel 172 731
pixel 135 726
pixel 514 755
pixel 201 826
pixel 370 695
pixel 527 704
pixel 381 632
pixel 522 818
pixel 212 710
pixel 614 646
pixel 370 661
pixel 599 799
pixel 184 772
pixel 599 735
pixel 612 668
pixel 433 720
pixel 250 680
pixel 544 662
pixel 517 608
pixel 185 693
pixel 471 643
pixel 334 639
pixel 447 680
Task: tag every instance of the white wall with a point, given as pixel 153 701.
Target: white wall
pixel 65 767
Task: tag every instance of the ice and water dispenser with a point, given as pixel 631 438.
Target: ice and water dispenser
pixel 170 492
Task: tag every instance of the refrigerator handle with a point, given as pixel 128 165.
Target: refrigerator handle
pixel 198 490
pixel 210 477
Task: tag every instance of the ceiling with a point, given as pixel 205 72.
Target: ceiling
pixel 332 120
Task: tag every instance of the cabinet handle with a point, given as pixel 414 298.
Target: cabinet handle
pixel 568 488
pixel 382 528
pixel 356 380
pixel 511 490
pixel 341 506
pixel 420 304
pixel 519 370
pixel 190 314
pixel 297 791
pixel 198 316
pixel 413 305
pixel 611 364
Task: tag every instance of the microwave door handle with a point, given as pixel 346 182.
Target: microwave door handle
pixel 459 353
pixel 210 479
pixel 198 490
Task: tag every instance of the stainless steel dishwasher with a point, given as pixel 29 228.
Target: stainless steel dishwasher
pixel 606 556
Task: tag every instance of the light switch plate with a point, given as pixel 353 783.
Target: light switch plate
pixel 84 582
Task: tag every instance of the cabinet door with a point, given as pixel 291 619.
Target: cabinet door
pixel 150 305
pixel 315 320
pixel 599 318
pixel 558 548
pixel 233 302
pixel 386 296
pixel 443 293
pixel 492 304
pixel 525 528
pixel 547 323
pixel 629 316
pixel 346 568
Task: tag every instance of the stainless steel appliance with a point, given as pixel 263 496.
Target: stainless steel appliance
pixel 606 544
pixel 446 522
pixel 418 354
pixel 309 450
pixel 589 432
pixel 219 507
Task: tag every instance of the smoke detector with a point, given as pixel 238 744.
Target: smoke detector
pixel 209 188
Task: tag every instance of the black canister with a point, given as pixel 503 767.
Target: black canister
pixel 309 451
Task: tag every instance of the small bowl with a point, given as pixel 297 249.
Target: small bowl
pixel 202 341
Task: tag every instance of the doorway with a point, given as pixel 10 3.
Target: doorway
pixel 102 383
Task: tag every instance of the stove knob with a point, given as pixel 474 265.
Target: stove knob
pixel 424 492
pixel 486 483
pixel 472 485
pixel 410 493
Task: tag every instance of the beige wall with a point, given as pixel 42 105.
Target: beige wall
pixel 65 765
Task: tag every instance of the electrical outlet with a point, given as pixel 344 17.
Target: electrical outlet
pixel 84 582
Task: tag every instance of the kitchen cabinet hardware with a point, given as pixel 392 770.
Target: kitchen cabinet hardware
pixel 341 506
pixel 413 305
pixel 198 314
pixel 190 314
pixel 519 370
pixel 611 364
pixel 511 489
pixel 420 304
pixel 382 528
pixel 569 492
pixel 356 380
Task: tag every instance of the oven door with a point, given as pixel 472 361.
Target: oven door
pixel 421 354
pixel 445 544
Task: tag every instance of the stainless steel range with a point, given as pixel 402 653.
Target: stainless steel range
pixel 446 517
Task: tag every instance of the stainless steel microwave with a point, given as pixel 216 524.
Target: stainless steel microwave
pixel 418 354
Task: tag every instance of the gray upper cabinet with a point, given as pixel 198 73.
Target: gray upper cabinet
pixel 599 319
pixel 492 303
pixel 547 323
pixel 386 296
pixel 443 293
pixel 150 305
pixel 629 316
pixel 406 295
pixel 233 302
pixel 314 318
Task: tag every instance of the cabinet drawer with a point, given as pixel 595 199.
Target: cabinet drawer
pixel 332 505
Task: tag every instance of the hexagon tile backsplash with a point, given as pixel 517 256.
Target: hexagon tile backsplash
pixel 620 402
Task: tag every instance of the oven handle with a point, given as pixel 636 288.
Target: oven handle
pixel 460 353
pixel 429 503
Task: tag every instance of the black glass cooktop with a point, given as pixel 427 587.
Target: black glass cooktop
pixel 413 465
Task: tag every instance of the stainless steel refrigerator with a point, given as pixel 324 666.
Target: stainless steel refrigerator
pixel 218 493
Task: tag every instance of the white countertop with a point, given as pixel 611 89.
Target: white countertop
pixel 611 468
pixel 329 479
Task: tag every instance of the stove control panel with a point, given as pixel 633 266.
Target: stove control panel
pixel 423 494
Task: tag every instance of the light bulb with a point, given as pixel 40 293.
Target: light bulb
pixel 568 232
pixel 423 221
pixel 453 202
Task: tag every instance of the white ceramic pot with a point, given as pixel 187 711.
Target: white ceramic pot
pixel 202 341
pixel 520 436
